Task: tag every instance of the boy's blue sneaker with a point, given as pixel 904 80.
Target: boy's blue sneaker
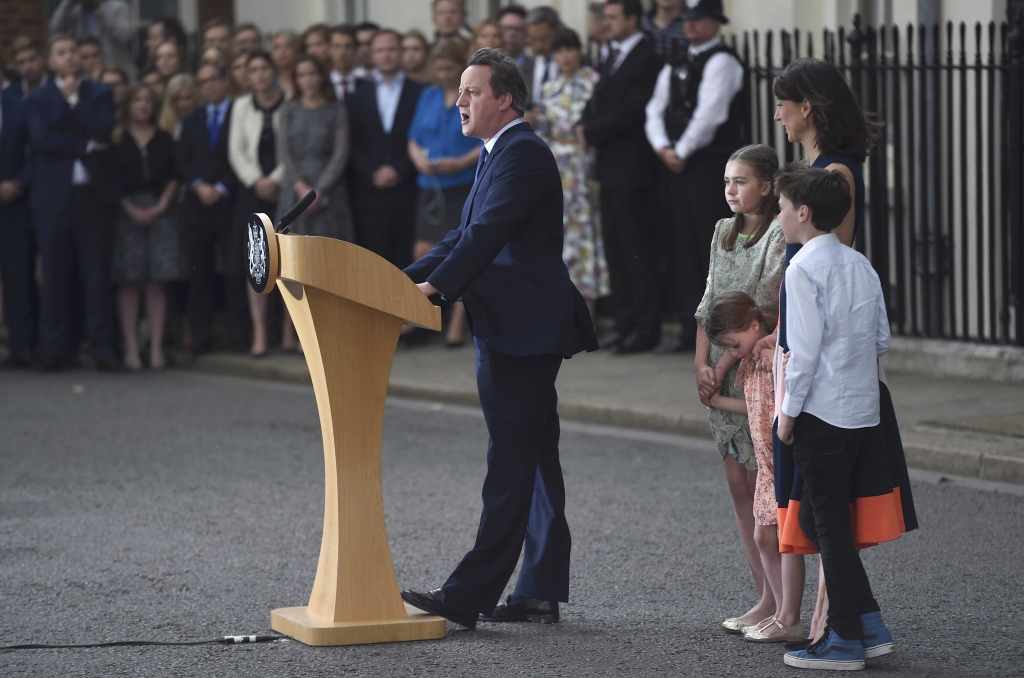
pixel 832 653
pixel 877 640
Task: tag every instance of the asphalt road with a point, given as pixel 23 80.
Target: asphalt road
pixel 184 506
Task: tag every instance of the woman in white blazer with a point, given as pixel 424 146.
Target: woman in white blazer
pixel 252 152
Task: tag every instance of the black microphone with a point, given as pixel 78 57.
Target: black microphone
pixel 293 214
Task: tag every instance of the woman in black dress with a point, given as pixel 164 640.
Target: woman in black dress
pixel 147 247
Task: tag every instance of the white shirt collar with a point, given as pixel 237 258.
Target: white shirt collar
pixel 397 82
pixel 815 243
pixel 627 45
pixel 694 51
pixel 489 144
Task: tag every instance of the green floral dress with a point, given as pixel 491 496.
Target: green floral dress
pixel 756 270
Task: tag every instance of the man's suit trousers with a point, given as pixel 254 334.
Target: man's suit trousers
pixel 76 240
pixel 385 220
pixel 630 238
pixel 17 268
pixel 524 494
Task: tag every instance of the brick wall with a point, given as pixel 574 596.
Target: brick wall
pixel 21 17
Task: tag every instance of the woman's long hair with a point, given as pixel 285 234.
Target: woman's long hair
pixel 169 119
pixel 842 126
pixel 735 311
pixel 125 110
pixel 326 88
pixel 764 163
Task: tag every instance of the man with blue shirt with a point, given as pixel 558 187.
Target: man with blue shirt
pixel 384 190
pixel 207 211
pixel 505 262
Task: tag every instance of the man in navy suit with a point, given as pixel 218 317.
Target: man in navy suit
pixel 384 190
pixel 207 211
pixel 17 248
pixel 70 120
pixel 505 263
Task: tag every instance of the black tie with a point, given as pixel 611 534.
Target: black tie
pixel 613 56
pixel 480 163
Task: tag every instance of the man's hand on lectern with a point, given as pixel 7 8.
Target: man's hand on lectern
pixel 427 289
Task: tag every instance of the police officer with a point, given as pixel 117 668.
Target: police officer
pixel 695 120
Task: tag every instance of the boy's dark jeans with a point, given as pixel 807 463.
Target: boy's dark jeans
pixel 826 456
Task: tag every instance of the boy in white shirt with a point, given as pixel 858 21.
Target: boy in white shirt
pixel 837 329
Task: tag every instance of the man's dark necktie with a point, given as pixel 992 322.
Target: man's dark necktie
pixel 613 56
pixel 480 163
pixel 214 127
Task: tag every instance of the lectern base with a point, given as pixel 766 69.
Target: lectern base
pixel 304 626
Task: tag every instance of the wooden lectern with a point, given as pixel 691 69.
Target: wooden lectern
pixel 348 305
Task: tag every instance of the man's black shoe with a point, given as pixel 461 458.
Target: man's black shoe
pixel 686 341
pixel 433 602
pixel 543 611
pixel 635 343
pixel 108 363
pixel 19 363
pixel 609 340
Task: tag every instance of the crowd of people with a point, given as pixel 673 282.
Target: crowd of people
pixel 127 179
pixel 134 193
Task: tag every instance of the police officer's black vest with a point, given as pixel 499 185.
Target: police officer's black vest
pixel 684 82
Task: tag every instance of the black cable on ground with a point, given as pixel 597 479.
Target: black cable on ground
pixel 225 640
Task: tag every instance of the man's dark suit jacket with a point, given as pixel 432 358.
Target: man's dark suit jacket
pixel 14 139
pixel 371 146
pixel 613 121
pixel 59 135
pixel 505 259
pixel 196 160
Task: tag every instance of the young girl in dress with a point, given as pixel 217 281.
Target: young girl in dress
pixel 747 254
pixel 736 324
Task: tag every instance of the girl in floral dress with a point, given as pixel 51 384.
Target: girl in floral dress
pixel 747 254
pixel 736 324
pixel 563 100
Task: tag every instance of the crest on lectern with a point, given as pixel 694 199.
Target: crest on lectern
pixel 258 251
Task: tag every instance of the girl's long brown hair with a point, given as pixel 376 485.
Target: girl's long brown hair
pixel 735 311
pixel 764 163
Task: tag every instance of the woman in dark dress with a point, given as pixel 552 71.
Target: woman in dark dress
pixel 147 247
pixel 819 111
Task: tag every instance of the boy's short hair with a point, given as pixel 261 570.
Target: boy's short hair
pixel 57 38
pixel 824 192
pixel 23 43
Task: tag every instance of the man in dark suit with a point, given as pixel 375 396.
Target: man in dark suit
pixel 384 179
pixel 70 120
pixel 613 122
pixel 17 248
pixel 344 50
pixel 206 213
pixel 505 263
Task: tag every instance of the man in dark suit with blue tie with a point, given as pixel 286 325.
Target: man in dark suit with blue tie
pixel 207 211
pixel 17 247
pixel 505 263
pixel 70 120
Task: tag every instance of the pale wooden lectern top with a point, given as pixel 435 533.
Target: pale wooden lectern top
pixel 348 306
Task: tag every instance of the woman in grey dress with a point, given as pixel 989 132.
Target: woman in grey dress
pixel 313 146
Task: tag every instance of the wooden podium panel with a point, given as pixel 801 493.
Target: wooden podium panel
pixel 313 629
pixel 348 306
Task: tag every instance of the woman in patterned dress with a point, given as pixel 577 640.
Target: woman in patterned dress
pixel 563 100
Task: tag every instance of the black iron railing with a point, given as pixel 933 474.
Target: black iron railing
pixel 945 185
